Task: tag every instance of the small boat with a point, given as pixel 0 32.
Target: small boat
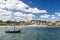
pixel 13 31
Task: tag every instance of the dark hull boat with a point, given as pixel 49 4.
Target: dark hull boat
pixel 14 31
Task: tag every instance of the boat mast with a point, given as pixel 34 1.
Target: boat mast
pixel 14 25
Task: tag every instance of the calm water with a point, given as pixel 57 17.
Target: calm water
pixel 31 33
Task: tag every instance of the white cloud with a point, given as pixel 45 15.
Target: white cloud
pixel 2 5
pixel 5 15
pixel 45 16
pixel 57 13
pixel 10 5
pixel 35 10
pixel 53 17
pixel 19 5
pixel 12 1
pixel 19 14
pixel 2 1
pixel 30 16
pixel 15 4
pixel 4 12
pixel 5 18
pixel 25 16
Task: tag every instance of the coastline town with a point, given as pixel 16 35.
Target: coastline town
pixel 32 22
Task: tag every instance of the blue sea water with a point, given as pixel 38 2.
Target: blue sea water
pixel 31 33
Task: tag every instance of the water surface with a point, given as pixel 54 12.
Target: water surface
pixel 31 33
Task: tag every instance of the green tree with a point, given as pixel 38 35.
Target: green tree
pixel 1 21
pixel 8 21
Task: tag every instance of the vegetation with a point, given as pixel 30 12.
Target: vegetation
pixel 32 22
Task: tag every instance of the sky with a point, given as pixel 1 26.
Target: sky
pixel 24 10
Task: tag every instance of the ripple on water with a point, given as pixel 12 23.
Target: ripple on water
pixel 32 33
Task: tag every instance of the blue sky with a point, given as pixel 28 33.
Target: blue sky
pixel 48 10
pixel 49 5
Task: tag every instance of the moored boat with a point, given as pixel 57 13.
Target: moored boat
pixel 12 31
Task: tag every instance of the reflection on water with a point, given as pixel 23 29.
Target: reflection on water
pixel 32 33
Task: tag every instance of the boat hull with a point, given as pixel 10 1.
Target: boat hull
pixel 13 31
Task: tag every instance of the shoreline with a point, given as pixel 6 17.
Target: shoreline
pixel 28 26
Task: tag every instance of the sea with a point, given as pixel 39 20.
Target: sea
pixel 31 33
